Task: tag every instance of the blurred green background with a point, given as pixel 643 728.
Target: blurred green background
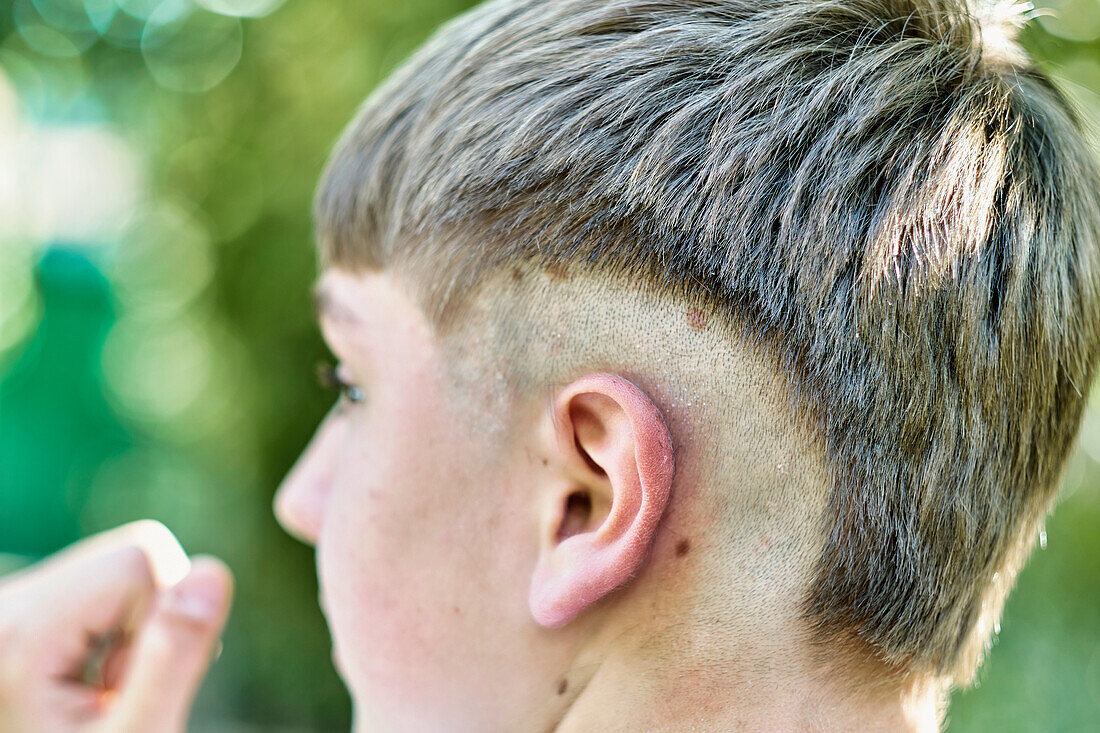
pixel 157 348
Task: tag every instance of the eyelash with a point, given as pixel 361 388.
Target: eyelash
pixel 328 376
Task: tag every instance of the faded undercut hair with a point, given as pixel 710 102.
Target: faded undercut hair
pixel 884 194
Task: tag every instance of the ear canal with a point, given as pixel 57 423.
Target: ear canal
pixel 576 515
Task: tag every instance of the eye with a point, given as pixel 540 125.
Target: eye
pixel 330 376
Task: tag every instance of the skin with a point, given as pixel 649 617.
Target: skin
pixel 485 607
pixel 602 553
pixel 136 578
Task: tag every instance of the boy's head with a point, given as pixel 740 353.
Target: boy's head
pixel 770 317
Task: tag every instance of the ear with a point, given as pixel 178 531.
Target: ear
pixel 613 472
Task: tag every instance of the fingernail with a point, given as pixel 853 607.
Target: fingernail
pixel 198 596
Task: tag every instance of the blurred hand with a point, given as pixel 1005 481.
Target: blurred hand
pixel 111 635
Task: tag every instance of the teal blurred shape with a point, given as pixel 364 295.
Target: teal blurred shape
pixel 56 427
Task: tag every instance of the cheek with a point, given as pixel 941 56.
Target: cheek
pixel 415 585
pixel 425 555
pixel 375 582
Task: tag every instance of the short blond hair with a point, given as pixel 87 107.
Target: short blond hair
pixel 884 194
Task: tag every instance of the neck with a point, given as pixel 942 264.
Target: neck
pixel 644 688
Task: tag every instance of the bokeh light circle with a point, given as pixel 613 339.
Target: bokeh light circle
pixel 242 8
pixel 64 15
pixel 162 262
pixel 144 9
pixel 101 13
pixel 1074 20
pixel 49 39
pixel 192 52
pixel 124 31
pixel 153 371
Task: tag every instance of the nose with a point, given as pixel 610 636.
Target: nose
pixel 303 495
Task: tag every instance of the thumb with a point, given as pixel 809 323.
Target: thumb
pixel 173 651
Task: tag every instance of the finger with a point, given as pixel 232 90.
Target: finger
pixel 173 651
pixel 115 665
pixel 91 584
pixel 167 560
pixel 55 626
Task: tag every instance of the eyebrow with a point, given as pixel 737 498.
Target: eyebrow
pixel 327 305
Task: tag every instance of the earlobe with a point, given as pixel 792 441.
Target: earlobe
pixel 618 456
